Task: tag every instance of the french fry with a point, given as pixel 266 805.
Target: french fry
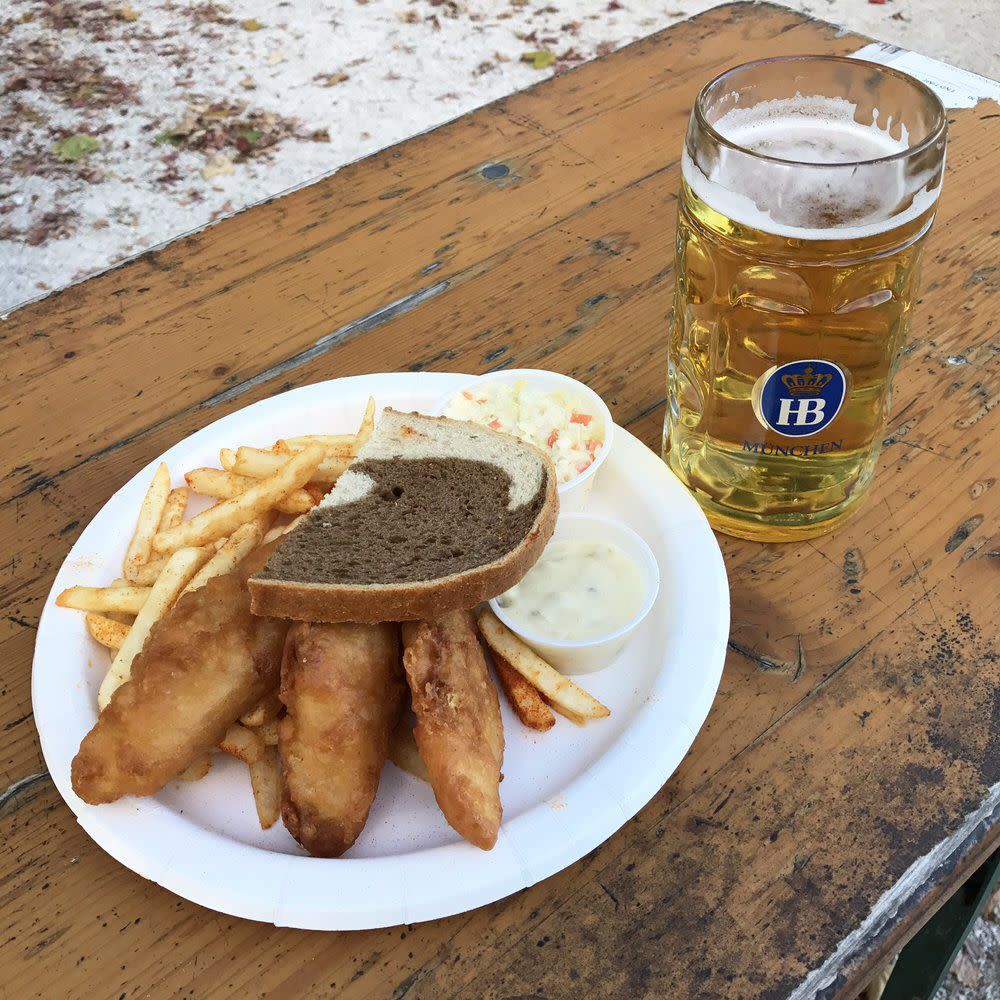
pixel 237 547
pixel 291 446
pixel 227 458
pixel 106 631
pixel 242 743
pixel 146 575
pixel 150 512
pixel 260 464
pixel 316 491
pixel 181 566
pixel 125 617
pixel 197 769
pixel 268 732
pixel 560 691
pixel 281 529
pixel 265 780
pixel 128 599
pixel 176 505
pixel 577 720
pixel 403 751
pixel 225 517
pixel 528 704
pixel 226 485
pixel 332 442
pixel 265 710
pixel 367 424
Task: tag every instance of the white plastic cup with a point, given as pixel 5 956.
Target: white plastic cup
pixel 574 494
pixel 583 656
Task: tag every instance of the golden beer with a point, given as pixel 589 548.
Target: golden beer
pixel 808 186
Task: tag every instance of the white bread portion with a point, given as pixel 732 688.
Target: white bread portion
pixel 413 436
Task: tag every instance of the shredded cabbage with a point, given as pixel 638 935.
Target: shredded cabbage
pixel 555 420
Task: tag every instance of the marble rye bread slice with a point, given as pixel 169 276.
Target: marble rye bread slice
pixel 434 515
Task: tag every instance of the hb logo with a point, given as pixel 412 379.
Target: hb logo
pixel 799 398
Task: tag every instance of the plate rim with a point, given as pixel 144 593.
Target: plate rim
pixel 495 874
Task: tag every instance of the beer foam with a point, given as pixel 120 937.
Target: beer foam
pixel 811 185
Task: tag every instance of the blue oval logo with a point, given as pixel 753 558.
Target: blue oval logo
pixel 799 398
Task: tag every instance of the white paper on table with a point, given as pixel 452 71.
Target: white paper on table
pixel 957 88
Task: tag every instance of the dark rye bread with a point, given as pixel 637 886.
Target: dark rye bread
pixel 435 515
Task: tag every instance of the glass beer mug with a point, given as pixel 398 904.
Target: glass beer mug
pixel 808 186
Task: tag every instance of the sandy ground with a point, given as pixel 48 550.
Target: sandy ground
pixel 122 127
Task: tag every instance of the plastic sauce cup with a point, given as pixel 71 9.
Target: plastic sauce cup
pixel 582 656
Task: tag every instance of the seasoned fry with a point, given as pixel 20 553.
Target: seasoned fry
pixel 259 464
pixel 150 512
pixel 227 458
pixel 197 769
pixel 265 710
pixel 291 446
pixel 173 511
pixel 226 485
pixel 268 732
pixel 128 599
pixel 242 743
pixel 106 631
pixel 528 704
pixel 344 442
pixel 560 691
pixel 367 424
pixel 316 491
pixel 147 574
pixel 265 780
pixel 403 751
pixel 236 548
pixel 577 720
pixel 181 566
pixel 279 530
pixel 225 517
pixel 125 617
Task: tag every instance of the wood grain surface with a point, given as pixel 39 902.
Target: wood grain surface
pixel 857 728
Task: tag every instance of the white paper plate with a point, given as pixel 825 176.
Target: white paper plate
pixel 564 791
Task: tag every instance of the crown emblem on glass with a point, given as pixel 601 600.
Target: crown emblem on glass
pixel 805 383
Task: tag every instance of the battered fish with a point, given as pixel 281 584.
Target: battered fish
pixel 343 689
pixel 205 663
pixel 459 731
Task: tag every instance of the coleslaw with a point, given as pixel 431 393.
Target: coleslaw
pixel 555 420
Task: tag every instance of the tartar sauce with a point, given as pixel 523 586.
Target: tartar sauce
pixel 578 589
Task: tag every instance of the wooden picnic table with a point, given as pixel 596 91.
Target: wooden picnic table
pixel 848 776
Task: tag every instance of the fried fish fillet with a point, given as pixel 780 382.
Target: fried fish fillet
pixel 205 663
pixel 459 731
pixel 342 686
